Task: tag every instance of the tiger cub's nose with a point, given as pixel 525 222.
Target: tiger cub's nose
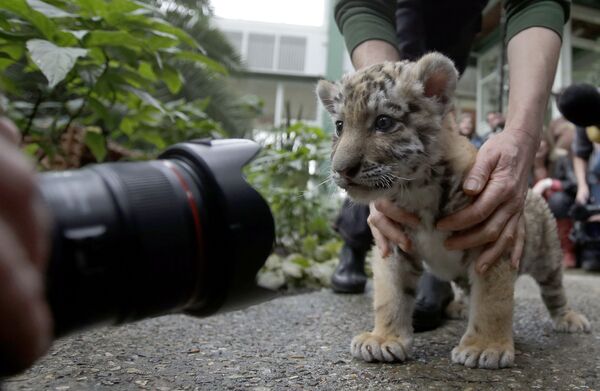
pixel 349 171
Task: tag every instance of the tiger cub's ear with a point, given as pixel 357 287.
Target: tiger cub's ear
pixel 327 91
pixel 439 77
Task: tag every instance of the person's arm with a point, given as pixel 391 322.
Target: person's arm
pixel 580 166
pixel 499 176
pixel 582 150
pixel 373 52
pixel 25 322
pixel 366 20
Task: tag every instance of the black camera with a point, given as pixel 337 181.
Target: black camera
pixel 184 233
pixel 585 236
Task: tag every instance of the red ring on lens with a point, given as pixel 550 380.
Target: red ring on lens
pixel 191 202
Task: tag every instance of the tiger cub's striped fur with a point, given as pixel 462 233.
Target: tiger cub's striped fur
pixel 394 140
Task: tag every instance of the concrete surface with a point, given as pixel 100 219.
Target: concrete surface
pixel 302 342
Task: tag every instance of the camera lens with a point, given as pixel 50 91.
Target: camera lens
pixel 133 240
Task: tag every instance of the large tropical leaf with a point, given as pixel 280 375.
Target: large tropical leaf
pixel 55 62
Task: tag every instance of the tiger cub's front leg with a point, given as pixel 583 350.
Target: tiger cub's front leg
pixel 395 282
pixel 488 341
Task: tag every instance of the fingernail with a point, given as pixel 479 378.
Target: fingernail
pixel 472 184
pixel 483 268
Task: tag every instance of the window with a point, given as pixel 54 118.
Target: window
pixel 260 51
pixel 292 52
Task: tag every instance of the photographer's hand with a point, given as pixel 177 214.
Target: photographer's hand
pixel 25 321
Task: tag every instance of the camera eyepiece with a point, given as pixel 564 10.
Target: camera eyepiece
pixel 131 240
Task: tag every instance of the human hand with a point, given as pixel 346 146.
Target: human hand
pixel 386 221
pixel 25 322
pixel 494 220
pixel 583 194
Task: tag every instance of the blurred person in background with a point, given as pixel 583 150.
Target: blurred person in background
pixel 495 121
pixel 586 162
pixel 554 178
pixel 466 127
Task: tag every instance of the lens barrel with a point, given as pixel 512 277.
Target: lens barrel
pixel 132 240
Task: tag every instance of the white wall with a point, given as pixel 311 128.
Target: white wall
pixel 315 56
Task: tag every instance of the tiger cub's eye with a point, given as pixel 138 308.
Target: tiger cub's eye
pixel 339 125
pixel 384 123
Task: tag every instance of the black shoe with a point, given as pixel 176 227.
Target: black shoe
pixel 591 260
pixel 433 296
pixel 349 276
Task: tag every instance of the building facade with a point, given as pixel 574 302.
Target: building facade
pixel 283 63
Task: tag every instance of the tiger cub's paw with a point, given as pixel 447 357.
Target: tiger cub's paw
pixel 478 353
pixel 371 347
pixel 572 322
pixel 458 309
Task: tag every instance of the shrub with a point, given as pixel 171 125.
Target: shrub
pixel 291 174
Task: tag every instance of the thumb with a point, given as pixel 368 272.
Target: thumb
pixel 480 173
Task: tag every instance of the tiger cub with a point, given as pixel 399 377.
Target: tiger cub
pixel 394 140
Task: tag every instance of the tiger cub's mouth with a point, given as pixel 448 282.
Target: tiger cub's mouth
pixel 361 191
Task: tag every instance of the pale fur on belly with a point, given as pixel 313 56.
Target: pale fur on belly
pixel 443 263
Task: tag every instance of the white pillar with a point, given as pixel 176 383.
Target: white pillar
pixel 279 97
pixel 565 67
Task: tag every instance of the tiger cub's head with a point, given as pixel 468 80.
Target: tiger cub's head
pixel 388 118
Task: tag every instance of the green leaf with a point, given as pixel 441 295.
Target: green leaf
pixel 161 25
pixel 5 63
pixel 159 40
pixel 79 34
pixel 55 62
pixel 12 36
pixel 172 78
pixel 128 126
pixel 93 7
pixel 4 23
pixel 49 10
pixel 39 20
pixel 31 149
pixel 208 62
pixel 145 70
pixel 124 6
pixel 14 51
pixel 154 138
pixel 146 97
pixel 113 38
pixel 96 143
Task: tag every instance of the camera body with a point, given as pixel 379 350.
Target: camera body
pixel 131 240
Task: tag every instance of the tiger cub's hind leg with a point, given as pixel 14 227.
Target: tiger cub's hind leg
pixel 395 282
pixel 564 319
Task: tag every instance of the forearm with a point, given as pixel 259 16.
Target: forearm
pixel 580 168
pixel 365 20
pixel 532 57
pixel 373 52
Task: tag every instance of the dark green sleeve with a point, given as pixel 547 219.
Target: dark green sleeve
pixel 364 20
pixel 522 14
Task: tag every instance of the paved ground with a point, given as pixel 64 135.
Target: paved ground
pixel 301 342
